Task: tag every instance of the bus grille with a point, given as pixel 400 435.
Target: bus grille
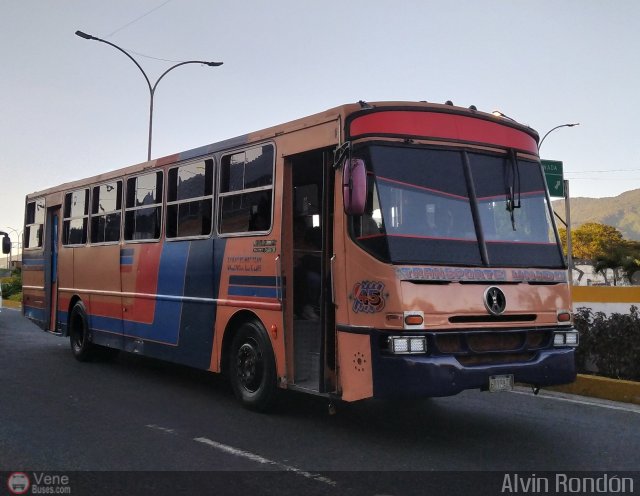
pixel 485 347
pixel 496 359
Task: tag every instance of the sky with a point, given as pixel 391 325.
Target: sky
pixel 72 108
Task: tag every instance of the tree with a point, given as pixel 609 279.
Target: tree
pixel 631 262
pixel 612 261
pixel 593 240
pixel 605 247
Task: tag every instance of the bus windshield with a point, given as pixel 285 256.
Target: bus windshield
pixel 420 209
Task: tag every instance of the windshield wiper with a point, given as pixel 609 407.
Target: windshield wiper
pixel 512 186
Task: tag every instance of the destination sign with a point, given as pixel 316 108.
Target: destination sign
pixel 456 274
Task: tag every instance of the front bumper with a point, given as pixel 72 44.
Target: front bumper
pixel 444 375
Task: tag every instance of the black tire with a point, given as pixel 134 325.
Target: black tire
pixel 81 346
pixel 252 367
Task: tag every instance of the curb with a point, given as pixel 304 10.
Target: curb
pixel 603 388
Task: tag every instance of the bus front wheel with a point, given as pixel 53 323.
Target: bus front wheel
pixel 81 347
pixel 252 368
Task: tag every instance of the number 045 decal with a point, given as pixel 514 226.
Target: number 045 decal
pixel 368 296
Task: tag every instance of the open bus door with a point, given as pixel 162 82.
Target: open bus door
pixel 307 230
pixel 51 267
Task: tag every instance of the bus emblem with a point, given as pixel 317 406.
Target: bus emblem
pixel 368 297
pixel 494 300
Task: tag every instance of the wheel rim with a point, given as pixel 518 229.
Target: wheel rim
pixel 250 366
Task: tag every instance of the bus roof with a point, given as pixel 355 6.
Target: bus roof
pixel 333 114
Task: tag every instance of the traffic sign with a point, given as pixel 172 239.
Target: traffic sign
pixel 553 174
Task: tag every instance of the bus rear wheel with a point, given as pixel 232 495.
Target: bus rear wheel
pixel 252 368
pixel 81 346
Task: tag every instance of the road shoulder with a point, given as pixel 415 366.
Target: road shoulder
pixel 603 388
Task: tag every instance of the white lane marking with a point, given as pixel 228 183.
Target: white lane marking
pixel 160 428
pixel 630 408
pixel 260 459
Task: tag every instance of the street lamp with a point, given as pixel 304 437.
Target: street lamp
pixel 152 88
pixel 553 129
pixel 567 206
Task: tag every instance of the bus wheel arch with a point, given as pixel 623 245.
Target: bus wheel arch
pixel 78 329
pixel 249 360
pixel 235 322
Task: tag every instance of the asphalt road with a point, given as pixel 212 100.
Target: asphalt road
pixel 138 414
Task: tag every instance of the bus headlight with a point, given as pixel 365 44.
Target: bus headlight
pixel 405 345
pixel 569 338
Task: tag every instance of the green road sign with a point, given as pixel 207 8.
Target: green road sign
pixel 553 174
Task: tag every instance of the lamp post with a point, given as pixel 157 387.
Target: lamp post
pixel 553 129
pixel 152 88
pixel 567 206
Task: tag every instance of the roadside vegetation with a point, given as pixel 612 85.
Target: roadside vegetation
pixel 609 346
pixel 617 259
pixel 12 286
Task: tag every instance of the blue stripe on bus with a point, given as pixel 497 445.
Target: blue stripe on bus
pixel 33 261
pixel 171 280
pixel 166 319
pixel 253 281
pixel 34 313
pixel 259 292
pixel 126 256
pixel 186 269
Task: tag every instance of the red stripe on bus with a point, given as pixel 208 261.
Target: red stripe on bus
pixel 437 125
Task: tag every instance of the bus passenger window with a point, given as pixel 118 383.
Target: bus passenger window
pixel 143 208
pixel 106 206
pixel 246 186
pixel 76 210
pixel 35 222
pixel 190 200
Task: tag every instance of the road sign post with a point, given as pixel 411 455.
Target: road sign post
pixel 554 175
pixel 559 187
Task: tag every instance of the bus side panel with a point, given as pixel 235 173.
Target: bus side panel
pixel 139 270
pixel 182 330
pixel 97 269
pixel 34 304
pixel 249 282
pixel 65 286
pixel 354 362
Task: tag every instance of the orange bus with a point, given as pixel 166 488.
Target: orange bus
pixel 393 249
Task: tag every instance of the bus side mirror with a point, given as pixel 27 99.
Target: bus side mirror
pixel 354 186
pixel 6 245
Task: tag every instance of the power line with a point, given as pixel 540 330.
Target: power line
pixel 137 19
pixel 601 171
pixel 151 57
pixel 604 179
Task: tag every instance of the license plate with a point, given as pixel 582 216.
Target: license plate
pixel 500 383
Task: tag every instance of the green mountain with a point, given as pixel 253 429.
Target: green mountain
pixel 621 212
